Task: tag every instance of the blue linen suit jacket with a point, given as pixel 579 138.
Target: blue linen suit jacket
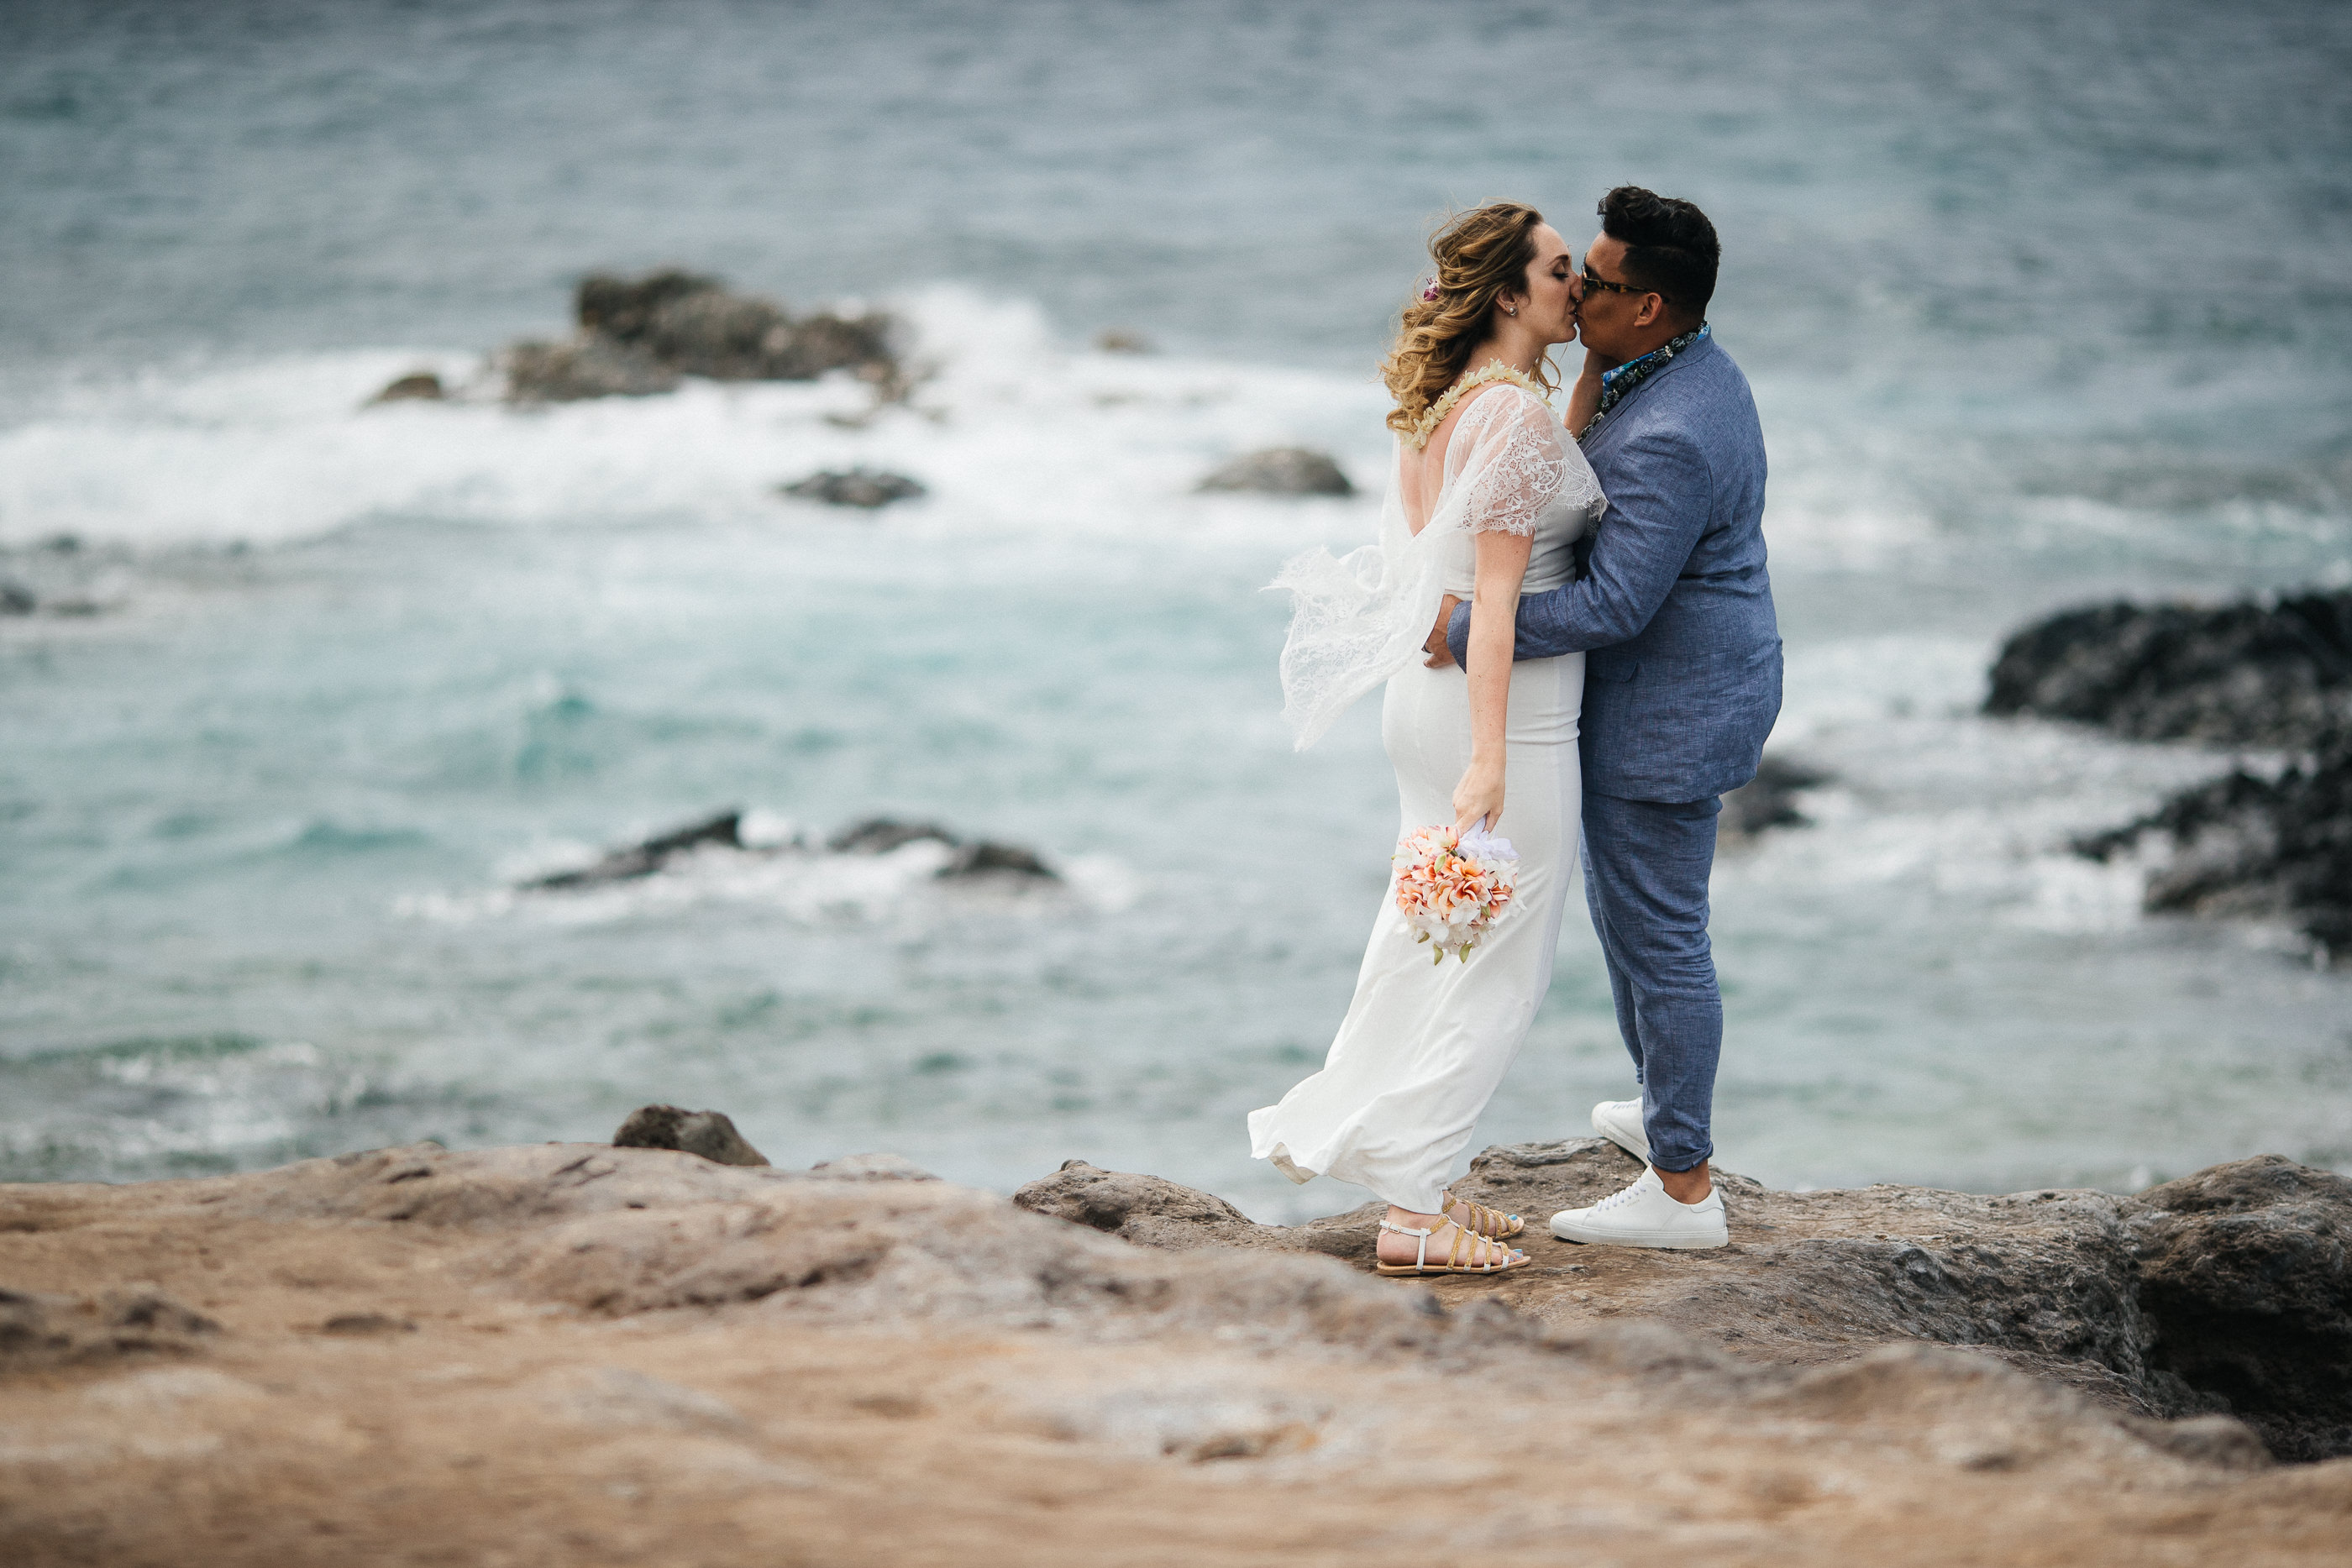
pixel 1682 678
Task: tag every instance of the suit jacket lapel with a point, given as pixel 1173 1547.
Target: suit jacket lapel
pixel 1609 421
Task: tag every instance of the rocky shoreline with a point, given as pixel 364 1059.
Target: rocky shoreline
pixel 568 1353
pixel 2270 674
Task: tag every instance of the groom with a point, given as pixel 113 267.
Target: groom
pixel 1682 684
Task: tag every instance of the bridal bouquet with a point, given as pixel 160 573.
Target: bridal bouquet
pixel 1451 888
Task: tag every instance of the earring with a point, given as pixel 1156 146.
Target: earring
pixel 1510 310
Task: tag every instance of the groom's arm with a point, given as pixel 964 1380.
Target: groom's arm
pixel 1655 515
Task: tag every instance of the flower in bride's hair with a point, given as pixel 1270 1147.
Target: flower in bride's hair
pixel 1429 289
pixel 1452 887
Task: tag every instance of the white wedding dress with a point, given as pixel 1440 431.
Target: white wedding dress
pixel 1424 1044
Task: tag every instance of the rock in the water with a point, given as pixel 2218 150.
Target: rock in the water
pixel 1282 471
pixel 15 599
pixel 2246 674
pixel 863 487
pixel 1769 799
pixel 880 835
pixel 622 308
pixel 705 1133
pixel 2241 845
pixel 2255 673
pixel 1120 340
pixel 587 366
pixel 2246 1277
pixel 725 829
pixel 986 858
pixel 696 325
pixel 415 386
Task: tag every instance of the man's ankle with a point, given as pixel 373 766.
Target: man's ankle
pixel 1686 1186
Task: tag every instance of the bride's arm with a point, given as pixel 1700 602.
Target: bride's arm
pixel 1494 609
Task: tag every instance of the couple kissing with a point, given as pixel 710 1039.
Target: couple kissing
pixel 1573 627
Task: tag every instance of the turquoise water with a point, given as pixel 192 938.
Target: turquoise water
pixel 2039 306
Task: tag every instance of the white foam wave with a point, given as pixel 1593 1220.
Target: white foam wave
pixel 1011 429
pixel 1973 812
pixel 809 887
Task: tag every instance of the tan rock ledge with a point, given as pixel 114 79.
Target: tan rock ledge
pixel 574 1354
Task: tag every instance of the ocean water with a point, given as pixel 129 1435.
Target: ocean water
pixel 2041 305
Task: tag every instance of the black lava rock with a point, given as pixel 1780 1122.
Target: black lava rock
pixel 1769 799
pixel 2274 674
pixel 645 859
pixel 583 367
pixel 863 487
pixel 2249 846
pixel 2255 673
pixel 709 1134
pixel 880 835
pixel 694 324
pixel 417 386
pixel 2245 1276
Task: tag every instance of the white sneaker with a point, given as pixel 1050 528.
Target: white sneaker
pixel 1620 1122
pixel 1645 1215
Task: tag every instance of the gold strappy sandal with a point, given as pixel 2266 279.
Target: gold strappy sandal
pixel 1470 1253
pixel 1490 1223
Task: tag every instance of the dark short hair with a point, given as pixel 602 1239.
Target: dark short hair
pixel 1671 247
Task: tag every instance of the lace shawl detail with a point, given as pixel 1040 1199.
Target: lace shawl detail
pixel 1356 620
pixel 1514 444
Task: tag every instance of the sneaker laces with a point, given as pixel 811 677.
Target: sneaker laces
pixel 1620 1198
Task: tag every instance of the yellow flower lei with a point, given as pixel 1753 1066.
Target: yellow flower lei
pixel 1434 414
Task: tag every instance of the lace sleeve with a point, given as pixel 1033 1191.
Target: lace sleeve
pixel 1512 466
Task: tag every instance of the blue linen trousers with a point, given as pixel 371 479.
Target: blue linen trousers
pixel 1645 876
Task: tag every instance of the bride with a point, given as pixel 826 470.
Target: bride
pixel 1484 502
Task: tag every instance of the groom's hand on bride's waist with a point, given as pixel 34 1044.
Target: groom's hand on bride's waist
pixel 1441 656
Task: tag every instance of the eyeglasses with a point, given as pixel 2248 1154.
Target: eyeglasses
pixel 1591 281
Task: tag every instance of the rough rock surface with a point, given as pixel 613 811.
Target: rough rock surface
pixel 1282 471
pixel 2272 675
pixel 710 1133
pixel 38 1330
pixel 2246 1279
pixel 866 488
pixel 635 1355
pixel 2230 1290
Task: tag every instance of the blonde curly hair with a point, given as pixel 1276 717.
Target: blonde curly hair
pixel 1480 254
